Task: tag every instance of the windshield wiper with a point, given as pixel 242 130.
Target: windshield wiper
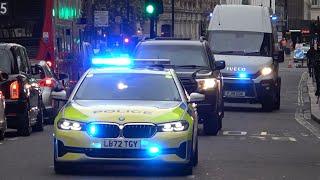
pixel 252 53
pixel 190 66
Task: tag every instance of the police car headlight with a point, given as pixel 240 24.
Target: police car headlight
pixel 65 124
pixel 177 126
pixel 206 84
pixel 266 71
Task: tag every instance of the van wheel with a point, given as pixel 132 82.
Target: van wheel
pixel 268 104
pixel 186 170
pixel 2 135
pixel 24 128
pixel 278 96
pixel 211 123
pixel 195 156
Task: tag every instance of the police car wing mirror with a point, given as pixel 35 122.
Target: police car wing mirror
pixel 196 97
pixel 3 76
pixel 219 65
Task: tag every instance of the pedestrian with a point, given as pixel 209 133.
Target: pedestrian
pixel 316 69
pixel 311 55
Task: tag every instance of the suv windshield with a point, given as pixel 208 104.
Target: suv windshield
pixel 240 43
pixel 5 62
pixel 146 87
pixel 177 54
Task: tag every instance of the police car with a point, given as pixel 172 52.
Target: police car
pixel 137 114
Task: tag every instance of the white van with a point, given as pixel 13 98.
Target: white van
pixel 243 36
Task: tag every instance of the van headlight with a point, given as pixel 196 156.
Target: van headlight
pixel 65 124
pixel 266 71
pixel 177 126
pixel 206 84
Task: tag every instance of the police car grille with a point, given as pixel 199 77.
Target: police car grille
pixel 108 131
pixel 189 84
pixel 139 131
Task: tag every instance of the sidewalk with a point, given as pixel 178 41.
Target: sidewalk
pixel 315 108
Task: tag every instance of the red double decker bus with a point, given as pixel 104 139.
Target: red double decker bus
pixel 47 28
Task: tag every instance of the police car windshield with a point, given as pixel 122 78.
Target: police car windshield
pixel 240 43
pixel 178 54
pixel 130 86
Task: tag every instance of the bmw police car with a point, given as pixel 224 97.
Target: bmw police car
pixel 128 115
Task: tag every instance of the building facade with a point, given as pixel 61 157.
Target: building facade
pixel 191 18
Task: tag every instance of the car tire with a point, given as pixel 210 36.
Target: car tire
pixel 39 124
pixel 195 156
pixel 60 167
pixel 277 103
pixel 186 170
pixel 25 128
pixel 211 123
pixel 268 104
pixel 2 135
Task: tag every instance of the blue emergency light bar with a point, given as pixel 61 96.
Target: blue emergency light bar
pixel 125 61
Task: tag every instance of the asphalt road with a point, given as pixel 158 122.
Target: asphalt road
pixel 253 145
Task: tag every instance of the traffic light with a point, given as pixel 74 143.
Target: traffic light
pixel 153 8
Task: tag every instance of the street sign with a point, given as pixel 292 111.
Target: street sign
pixel 4 8
pixel 101 18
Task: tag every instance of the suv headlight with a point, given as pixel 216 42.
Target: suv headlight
pixel 206 84
pixel 266 71
pixel 65 124
pixel 177 126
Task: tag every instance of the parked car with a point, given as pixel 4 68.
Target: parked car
pixel 24 110
pixel 3 121
pixel 50 85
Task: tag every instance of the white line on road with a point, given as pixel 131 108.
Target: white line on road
pixel 12 139
pixel 234 133
pixel 292 139
pixel 263 133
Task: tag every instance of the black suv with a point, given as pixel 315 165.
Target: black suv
pixel 24 109
pixel 197 70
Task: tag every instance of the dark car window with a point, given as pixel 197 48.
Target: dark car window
pixel 5 62
pixel 146 87
pixel 178 54
pixel 38 72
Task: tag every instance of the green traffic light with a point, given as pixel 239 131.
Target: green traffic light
pixel 150 9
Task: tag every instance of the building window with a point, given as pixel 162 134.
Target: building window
pixel 316 2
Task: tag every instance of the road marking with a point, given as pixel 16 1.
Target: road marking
pixel 259 137
pixel 292 139
pixel 298 115
pixel 284 139
pixel 234 133
pixel 263 133
pixel 304 134
pixel 12 139
pixel 0 143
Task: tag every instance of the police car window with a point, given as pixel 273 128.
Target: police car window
pixel 146 87
pixel 178 54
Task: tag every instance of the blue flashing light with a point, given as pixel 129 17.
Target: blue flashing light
pixel 154 150
pixel 211 14
pixel 274 17
pixel 92 130
pixel 243 75
pixel 113 61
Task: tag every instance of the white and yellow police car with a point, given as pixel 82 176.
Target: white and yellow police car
pixel 128 114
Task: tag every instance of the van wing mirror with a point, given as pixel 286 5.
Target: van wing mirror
pixel 219 65
pixel 278 56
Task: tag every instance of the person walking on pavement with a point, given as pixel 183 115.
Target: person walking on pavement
pixel 311 55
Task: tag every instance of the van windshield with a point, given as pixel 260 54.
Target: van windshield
pixel 240 43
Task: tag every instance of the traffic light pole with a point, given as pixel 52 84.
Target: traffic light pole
pixel 152 32
pixel 172 16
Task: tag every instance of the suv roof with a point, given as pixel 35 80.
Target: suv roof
pixel 173 42
pixel 5 46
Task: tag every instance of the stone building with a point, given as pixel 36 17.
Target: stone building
pixel 191 18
